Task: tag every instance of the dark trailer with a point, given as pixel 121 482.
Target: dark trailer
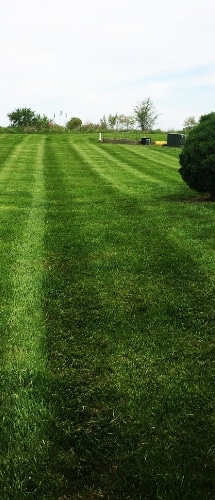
pixel 176 140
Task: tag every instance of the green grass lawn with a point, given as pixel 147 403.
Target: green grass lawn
pixel 107 323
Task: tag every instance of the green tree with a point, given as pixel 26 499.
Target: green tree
pixel 197 158
pixel 145 114
pixel 41 122
pixel 28 119
pixel 74 123
pixel 112 121
pixel 89 126
pixel 126 122
pixel 189 123
pixel 21 117
pixel 103 123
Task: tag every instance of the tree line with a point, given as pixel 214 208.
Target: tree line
pixel 144 117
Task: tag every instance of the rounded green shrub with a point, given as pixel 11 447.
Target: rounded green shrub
pixel 197 158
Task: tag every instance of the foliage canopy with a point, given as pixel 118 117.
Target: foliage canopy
pixel 25 117
pixel 145 114
pixel 74 123
pixel 197 158
pixel 21 117
pixel 189 123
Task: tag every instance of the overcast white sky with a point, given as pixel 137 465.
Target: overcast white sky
pixel 91 58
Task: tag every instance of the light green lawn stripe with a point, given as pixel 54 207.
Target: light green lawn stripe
pixel 26 319
pixel 24 357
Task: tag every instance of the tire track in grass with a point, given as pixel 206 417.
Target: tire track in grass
pixel 23 399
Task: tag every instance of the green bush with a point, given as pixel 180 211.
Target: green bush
pixel 197 158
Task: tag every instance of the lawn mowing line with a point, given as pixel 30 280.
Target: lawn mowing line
pixel 158 157
pixel 131 155
pixel 24 363
pixel 147 171
pixel 109 173
pixel 157 160
pixel 128 168
pixel 85 156
pixel 154 154
pixel 147 165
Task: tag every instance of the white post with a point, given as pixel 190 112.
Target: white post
pixel 100 137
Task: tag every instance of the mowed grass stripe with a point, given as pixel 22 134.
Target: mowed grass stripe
pixel 27 275
pixel 117 172
pixel 25 413
pixel 155 153
pixel 159 161
pixel 15 198
pixel 11 154
pixel 150 161
pixel 120 169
